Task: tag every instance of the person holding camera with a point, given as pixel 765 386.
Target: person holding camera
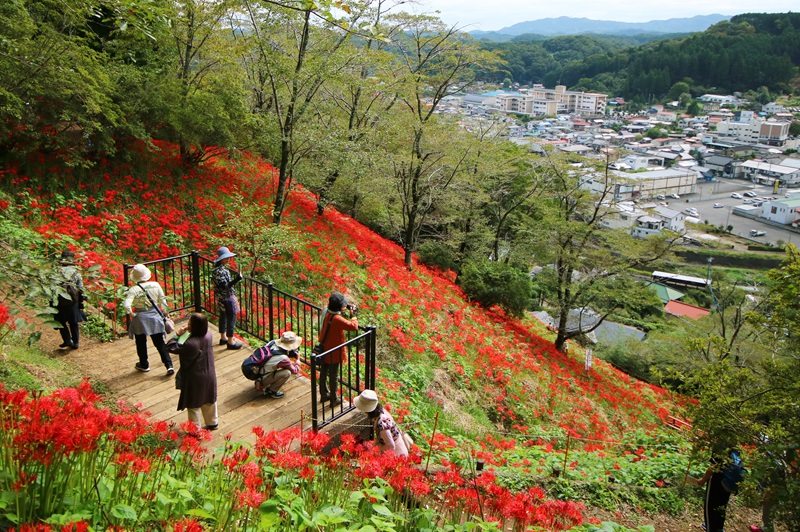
pixel 331 334
pixel 227 303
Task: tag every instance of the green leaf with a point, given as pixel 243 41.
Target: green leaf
pixel 381 509
pixel 124 512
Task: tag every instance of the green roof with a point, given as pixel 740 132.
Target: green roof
pixel 665 293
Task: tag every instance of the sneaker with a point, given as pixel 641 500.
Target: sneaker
pixel 171 371
pixel 324 399
pixel 74 346
pixel 273 395
pixel 237 345
pixel 336 401
pixel 143 369
pixel 223 342
pixel 211 427
pixel 66 344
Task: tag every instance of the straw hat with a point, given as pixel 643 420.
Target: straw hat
pixel 367 401
pixel 140 273
pixel 289 341
pixel 223 253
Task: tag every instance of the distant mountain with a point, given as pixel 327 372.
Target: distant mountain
pixel 576 26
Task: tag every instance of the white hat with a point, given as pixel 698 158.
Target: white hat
pixel 367 401
pixel 140 273
pixel 289 341
pixel 224 253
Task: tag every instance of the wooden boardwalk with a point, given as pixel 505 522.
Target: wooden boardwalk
pixel 241 407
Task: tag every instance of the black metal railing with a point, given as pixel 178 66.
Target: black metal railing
pixel 265 312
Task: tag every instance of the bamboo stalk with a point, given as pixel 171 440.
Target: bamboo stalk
pixel 430 444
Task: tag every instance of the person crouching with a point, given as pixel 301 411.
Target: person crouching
pixel 281 364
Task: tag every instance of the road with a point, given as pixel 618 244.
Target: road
pixel 720 192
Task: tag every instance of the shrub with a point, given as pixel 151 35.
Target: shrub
pixel 496 283
pixel 438 255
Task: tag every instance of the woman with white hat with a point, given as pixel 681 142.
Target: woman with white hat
pixel 388 434
pixel 145 319
pixel 227 303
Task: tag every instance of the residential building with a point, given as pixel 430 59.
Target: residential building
pixel 756 130
pixel 773 108
pixel 673 220
pixel 539 101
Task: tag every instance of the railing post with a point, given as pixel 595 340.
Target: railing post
pixel 125 268
pixel 313 360
pixel 271 325
pixel 369 374
pixel 197 294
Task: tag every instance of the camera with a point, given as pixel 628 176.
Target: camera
pixel 352 308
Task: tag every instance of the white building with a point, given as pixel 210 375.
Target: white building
pixel 653 183
pixel 647 226
pixel 673 220
pixel 756 130
pixel 783 211
pixel 767 173
pixel 539 101
pixel 772 108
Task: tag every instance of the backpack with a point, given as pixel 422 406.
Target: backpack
pixel 734 472
pixel 251 366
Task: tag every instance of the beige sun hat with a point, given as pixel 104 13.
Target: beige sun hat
pixel 367 401
pixel 140 274
pixel 289 341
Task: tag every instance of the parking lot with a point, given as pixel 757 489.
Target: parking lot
pixel 720 192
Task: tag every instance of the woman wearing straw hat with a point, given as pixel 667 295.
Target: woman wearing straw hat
pixel 227 304
pixel 68 308
pixel 145 319
pixel 388 434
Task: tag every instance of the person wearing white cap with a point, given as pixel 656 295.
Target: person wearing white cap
pixel 145 319
pixel 227 303
pixel 387 433
pixel 281 364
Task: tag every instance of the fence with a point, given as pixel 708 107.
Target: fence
pixel 186 280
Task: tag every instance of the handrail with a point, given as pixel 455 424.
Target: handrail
pixel 186 280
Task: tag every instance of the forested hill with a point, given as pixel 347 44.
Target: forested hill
pixel 747 52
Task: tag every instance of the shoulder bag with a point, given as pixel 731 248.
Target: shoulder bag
pixel 169 325
pixel 320 347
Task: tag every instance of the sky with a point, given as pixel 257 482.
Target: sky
pixel 491 15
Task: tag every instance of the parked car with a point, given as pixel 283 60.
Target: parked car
pixel 736 195
pixel 674 196
pixel 756 232
pixel 750 194
pixel 692 211
pixel 661 197
pixel 718 205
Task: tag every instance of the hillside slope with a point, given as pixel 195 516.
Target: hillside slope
pixel 501 392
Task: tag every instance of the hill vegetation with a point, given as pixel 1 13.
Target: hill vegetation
pixel 745 53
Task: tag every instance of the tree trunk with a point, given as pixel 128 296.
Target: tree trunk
pixel 283 178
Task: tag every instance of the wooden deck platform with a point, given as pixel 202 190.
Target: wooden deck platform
pixel 241 407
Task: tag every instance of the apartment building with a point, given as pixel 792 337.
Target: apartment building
pixel 756 130
pixel 539 101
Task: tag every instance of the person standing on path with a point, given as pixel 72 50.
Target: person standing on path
pixel 331 334
pixel 227 302
pixel 199 374
pixel 69 313
pixel 145 319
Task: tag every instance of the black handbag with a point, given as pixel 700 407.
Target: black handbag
pixel 320 347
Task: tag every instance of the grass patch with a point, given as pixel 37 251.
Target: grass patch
pixel 28 368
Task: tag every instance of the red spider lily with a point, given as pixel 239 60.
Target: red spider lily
pixel 187 525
